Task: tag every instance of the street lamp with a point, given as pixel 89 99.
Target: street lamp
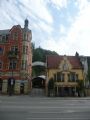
pixel 12 55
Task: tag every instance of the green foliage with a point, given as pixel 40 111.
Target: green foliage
pixel 40 54
pixel 88 74
pixel 51 84
pixel 81 85
pixel 81 88
pixel 38 70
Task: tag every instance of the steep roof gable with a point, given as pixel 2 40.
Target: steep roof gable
pixel 53 61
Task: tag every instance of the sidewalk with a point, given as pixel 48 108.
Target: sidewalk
pixel 43 97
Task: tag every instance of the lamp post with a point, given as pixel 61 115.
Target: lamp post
pixel 29 77
pixel 12 55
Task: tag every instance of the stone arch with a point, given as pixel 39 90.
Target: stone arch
pixel 39 82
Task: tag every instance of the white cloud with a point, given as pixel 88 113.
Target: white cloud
pixel 62 29
pixel 45 27
pixel 59 3
pixel 36 9
pixel 78 35
pixel 60 46
pixel 74 38
pixel 39 9
pixel 82 4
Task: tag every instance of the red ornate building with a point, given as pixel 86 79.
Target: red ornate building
pixel 15 59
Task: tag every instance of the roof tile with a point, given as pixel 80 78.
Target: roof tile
pixel 53 61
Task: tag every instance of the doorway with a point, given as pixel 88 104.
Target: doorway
pixel 1 83
pixel 10 87
pixel 22 88
pixel 38 87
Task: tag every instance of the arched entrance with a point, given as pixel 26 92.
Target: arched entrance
pixel 38 82
pixel 1 82
pixel 38 86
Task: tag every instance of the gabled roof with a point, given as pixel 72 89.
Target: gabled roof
pixel 53 61
pixel 4 31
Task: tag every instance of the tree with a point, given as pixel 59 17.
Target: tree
pixel 88 75
pixel 51 87
pixel 40 54
pixel 81 88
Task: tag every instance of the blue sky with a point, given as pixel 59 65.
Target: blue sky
pixel 58 25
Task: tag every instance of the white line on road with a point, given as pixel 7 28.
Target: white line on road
pixel 61 118
pixel 45 107
pixel 66 111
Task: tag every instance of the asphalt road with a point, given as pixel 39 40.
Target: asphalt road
pixel 43 108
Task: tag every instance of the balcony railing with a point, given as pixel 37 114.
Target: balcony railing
pixel 13 54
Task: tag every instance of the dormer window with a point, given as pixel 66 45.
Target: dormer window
pixel 3 37
pixel 15 36
pixel 65 66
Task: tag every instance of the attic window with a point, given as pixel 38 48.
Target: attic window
pixel 4 37
pixel 65 66
pixel 15 36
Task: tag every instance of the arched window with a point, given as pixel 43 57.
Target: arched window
pixel 65 66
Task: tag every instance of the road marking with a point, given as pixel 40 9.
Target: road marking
pixel 57 118
pixel 66 111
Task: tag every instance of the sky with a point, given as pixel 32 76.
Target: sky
pixel 58 25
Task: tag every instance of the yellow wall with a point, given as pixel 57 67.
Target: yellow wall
pixel 51 72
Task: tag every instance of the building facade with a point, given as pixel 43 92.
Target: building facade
pixel 15 59
pixel 65 75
